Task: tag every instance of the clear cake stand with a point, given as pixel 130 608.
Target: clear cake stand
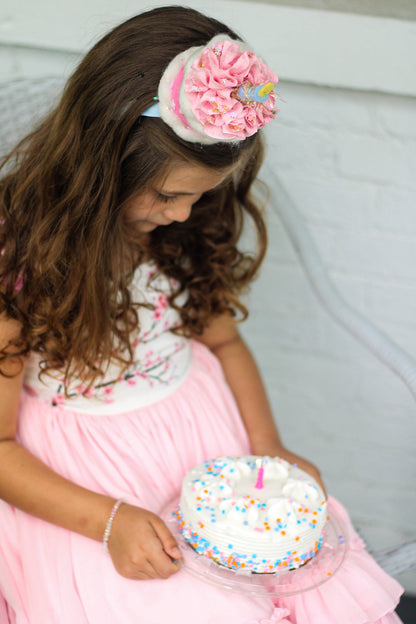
pixel 282 583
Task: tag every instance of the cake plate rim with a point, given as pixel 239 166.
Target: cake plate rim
pixel 314 573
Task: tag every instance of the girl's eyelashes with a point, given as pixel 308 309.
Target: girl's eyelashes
pixel 166 199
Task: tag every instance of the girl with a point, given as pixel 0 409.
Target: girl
pixel 121 363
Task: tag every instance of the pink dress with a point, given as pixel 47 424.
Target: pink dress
pixel 135 437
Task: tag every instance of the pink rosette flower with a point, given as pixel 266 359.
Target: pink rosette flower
pixel 108 392
pixel 58 399
pixel 211 85
pixel 162 301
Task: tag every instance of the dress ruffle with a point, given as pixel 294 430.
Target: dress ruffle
pixel 360 592
pixel 4 618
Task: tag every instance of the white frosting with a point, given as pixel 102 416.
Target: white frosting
pixel 226 517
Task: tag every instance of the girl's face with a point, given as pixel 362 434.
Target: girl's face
pixel 172 198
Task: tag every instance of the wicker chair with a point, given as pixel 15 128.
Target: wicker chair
pixel 22 103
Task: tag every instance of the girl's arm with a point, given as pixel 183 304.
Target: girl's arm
pixel 243 377
pixel 140 544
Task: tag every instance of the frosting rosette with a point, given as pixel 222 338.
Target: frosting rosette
pixel 218 92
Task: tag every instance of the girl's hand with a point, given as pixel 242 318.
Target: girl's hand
pixel 141 546
pixel 292 458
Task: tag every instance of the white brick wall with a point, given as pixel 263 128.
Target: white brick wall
pixel 348 160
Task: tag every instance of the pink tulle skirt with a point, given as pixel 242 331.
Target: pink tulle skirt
pixel 49 575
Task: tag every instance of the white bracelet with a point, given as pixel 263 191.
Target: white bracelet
pixel 110 523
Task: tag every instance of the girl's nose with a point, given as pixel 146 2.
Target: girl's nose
pixel 180 211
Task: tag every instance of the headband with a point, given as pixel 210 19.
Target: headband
pixel 218 92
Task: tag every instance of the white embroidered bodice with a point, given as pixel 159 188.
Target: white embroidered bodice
pixel 162 359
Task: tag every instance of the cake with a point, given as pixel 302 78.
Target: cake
pixel 251 513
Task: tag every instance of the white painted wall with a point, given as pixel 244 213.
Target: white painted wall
pixel 345 147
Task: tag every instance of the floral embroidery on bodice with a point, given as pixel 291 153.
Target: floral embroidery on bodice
pixel 162 359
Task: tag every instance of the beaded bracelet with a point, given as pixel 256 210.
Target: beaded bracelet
pixel 110 523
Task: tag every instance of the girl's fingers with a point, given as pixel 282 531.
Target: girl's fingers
pixel 169 543
pixel 162 561
pixel 148 571
pixel 162 550
pixel 163 565
pixel 142 576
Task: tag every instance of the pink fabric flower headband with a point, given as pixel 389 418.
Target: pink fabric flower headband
pixel 218 92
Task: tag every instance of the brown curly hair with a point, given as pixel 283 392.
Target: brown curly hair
pixel 62 233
